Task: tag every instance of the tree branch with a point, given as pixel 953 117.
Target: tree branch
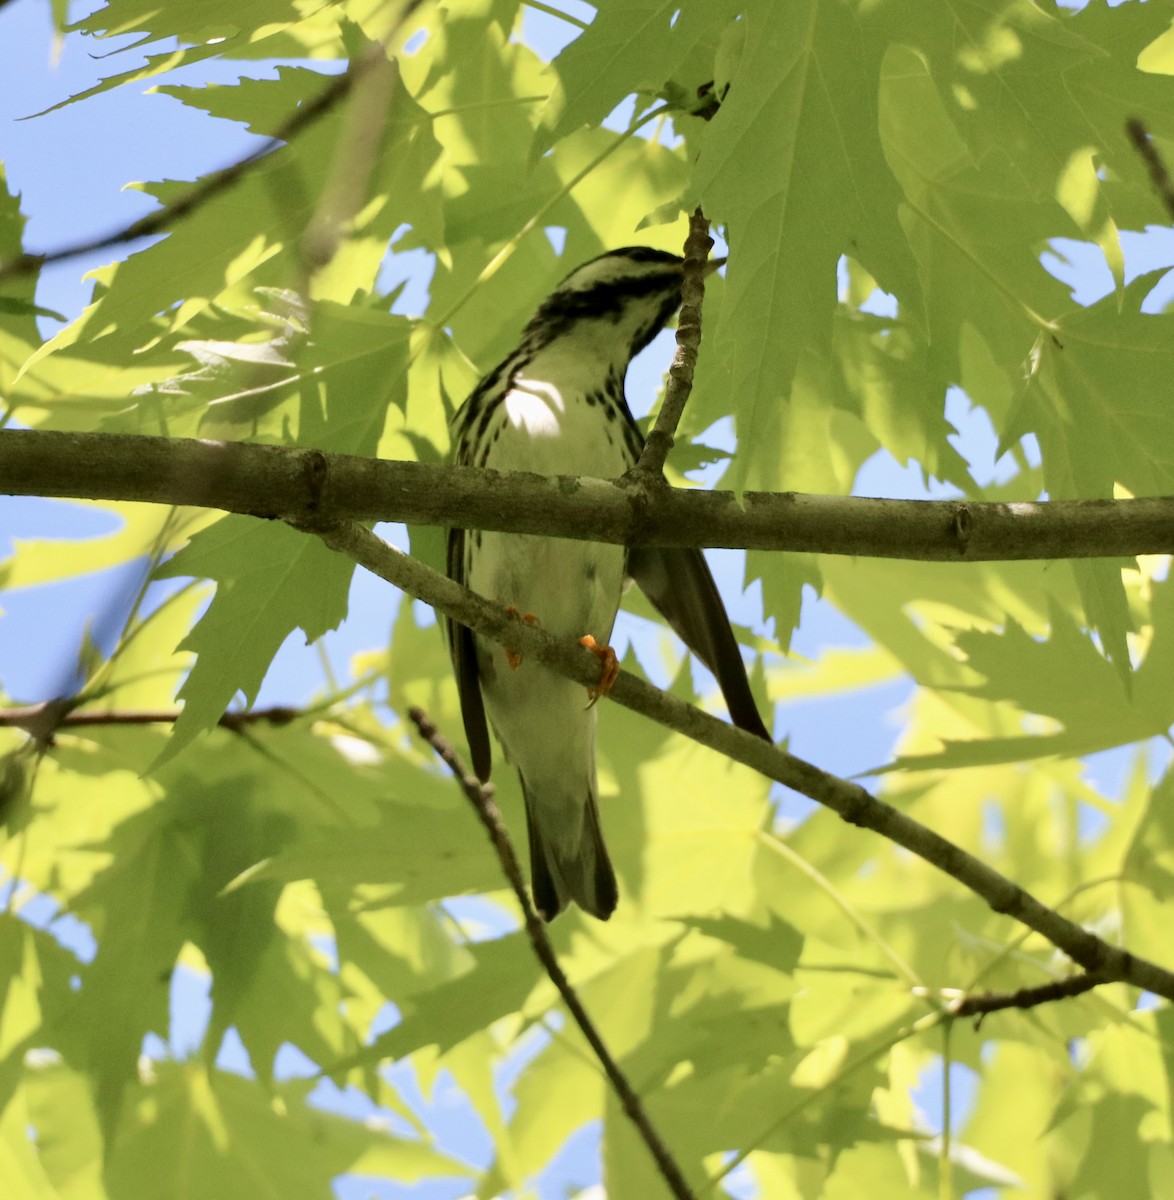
pixel 481 797
pixel 849 800
pixel 650 467
pixel 41 721
pixel 1026 997
pixel 219 181
pixel 300 484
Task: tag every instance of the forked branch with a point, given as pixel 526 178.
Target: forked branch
pixel 849 800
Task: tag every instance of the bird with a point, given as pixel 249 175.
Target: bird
pixel 556 405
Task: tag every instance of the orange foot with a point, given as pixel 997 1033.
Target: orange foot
pixel 513 657
pixel 610 672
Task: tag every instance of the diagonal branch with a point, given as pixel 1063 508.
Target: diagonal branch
pixel 849 800
pixel 300 484
pixel 219 181
pixel 481 797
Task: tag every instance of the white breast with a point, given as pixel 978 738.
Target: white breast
pixel 553 422
pixel 556 431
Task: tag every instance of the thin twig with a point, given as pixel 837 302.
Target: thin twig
pixel 1026 997
pixel 855 805
pixel 219 181
pixel 650 467
pixel 1159 175
pixel 295 483
pixel 481 797
pixel 536 218
pixel 41 721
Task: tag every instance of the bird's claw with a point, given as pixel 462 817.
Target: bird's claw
pixel 514 657
pixel 610 672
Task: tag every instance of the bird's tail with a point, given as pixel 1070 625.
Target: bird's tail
pixel 565 868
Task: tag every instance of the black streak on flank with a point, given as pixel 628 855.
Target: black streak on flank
pixel 486 415
pixel 633 439
pixel 482 403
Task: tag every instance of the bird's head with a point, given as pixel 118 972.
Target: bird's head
pixel 617 302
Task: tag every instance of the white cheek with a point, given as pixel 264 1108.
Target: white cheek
pixel 535 406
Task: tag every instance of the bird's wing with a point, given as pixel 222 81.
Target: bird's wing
pixel 678 582
pixel 463 649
